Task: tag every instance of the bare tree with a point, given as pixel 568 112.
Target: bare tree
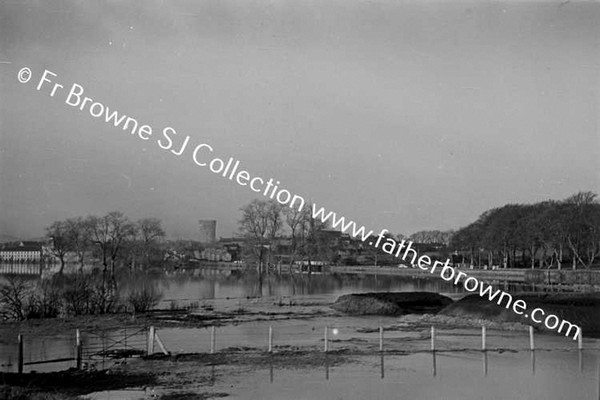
pixel 61 241
pixel 80 237
pixel 274 225
pixel 110 233
pixel 583 227
pixel 13 297
pixel 297 221
pixel 149 232
pixel 255 226
pixel 316 245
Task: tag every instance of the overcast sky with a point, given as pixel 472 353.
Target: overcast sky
pixel 399 114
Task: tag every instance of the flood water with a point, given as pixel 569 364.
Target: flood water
pixel 557 371
pixel 203 284
pixel 184 287
pixel 456 376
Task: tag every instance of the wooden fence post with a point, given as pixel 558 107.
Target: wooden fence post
pixel 160 344
pixel 432 338
pixel 483 333
pixel 212 340
pixel 531 339
pixel 78 349
pixel 20 356
pixel 150 349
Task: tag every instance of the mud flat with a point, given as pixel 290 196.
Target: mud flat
pixel 385 303
pixel 68 384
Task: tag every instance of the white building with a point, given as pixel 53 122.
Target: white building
pixel 22 252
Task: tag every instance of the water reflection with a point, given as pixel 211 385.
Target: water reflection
pixel 356 380
pixel 485 363
pixel 459 370
pixel 215 283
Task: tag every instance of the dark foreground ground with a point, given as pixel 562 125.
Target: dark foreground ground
pixel 170 373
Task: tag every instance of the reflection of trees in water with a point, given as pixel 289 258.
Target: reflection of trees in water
pixel 130 281
pixel 207 284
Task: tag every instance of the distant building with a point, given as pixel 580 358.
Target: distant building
pixel 216 254
pixel 208 231
pixel 22 252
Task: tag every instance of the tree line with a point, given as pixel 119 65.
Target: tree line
pixel 546 234
pixel 111 237
pixel 264 221
pixel 549 234
pixel 273 233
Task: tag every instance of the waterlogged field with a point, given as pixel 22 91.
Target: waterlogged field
pixel 354 369
pixel 243 308
pixel 456 376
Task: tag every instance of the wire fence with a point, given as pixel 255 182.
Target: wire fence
pixel 102 349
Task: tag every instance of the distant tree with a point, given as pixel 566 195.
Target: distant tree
pixel 583 227
pixel 432 237
pixel 400 237
pixel 297 221
pixel 80 237
pixel 544 225
pixel 468 239
pixel 275 221
pixel 317 245
pixel 61 241
pixel 110 233
pixel 553 231
pixel 254 225
pixel 149 233
pixel 543 231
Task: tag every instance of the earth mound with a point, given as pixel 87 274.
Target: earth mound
pixel 391 303
pixel 581 309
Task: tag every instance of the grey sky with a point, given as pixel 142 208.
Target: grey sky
pixel 405 115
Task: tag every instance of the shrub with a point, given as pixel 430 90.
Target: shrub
pixel 77 296
pixel 144 299
pixel 44 302
pixel 14 295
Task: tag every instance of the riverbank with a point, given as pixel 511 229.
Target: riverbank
pixel 579 279
pixel 489 275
